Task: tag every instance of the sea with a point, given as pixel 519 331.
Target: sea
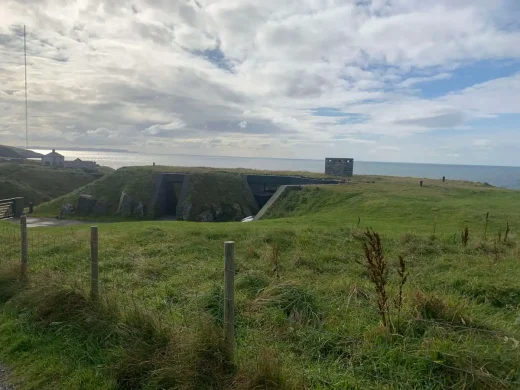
pixel 498 176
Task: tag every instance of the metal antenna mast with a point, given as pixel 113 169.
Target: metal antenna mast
pixel 26 116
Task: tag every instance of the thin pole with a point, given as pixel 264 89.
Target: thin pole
pixel 229 298
pixel 25 257
pixel 26 116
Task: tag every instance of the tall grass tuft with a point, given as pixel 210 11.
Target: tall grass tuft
pixel 506 235
pixel 10 282
pixel 275 260
pixel 486 225
pixel 496 243
pixel 464 237
pixel 434 308
pixel 377 266
pixel 298 303
pixel 265 372
pixel 403 276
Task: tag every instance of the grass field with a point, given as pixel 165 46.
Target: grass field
pixel 39 184
pixel 306 309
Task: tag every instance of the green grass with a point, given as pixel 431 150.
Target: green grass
pixel 39 184
pixel 312 324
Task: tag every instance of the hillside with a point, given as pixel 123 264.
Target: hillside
pixel 39 184
pixel 389 203
pixel 306 310
pixel 13 152
pixel 209 189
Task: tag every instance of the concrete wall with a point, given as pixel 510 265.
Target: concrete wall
pixel 260 189
pixel 339 166
pixel 53 160
pixel 164 199
pixel 264 186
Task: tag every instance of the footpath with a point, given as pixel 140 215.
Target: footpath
pixel 3 377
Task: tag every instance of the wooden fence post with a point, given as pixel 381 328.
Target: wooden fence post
pixel 25 256
pixel 229 297
pixel 94 266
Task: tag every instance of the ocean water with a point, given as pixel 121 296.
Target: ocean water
pixel 508 177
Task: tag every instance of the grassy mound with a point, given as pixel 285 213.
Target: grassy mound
pixel 221 193
pixel 400 203
pixel 39 184
pixel 138 182
pixel 210 189
pixel 306 308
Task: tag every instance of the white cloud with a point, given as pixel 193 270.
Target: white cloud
pixel 252 73
pixel 482 142
pixel 158 130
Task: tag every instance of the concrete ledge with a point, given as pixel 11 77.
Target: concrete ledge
pixel 274 198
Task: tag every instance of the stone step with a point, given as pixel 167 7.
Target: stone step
pixel 5 210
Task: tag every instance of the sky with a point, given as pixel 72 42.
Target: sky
pixel 430 81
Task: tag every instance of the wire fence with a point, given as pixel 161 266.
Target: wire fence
pixel 77 252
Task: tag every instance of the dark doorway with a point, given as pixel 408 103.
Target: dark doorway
pixel 170 199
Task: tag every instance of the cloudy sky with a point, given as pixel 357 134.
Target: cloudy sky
pixel 378 80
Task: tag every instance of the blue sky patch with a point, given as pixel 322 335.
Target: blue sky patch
pixel 467 76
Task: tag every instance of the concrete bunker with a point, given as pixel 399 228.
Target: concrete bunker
pixel 263 187
pixel 172 197
pixel 170 190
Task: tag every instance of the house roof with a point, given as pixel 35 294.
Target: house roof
pixel 78 159
pixel 53 153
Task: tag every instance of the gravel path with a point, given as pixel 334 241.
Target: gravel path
pixel 3 376
pixel 48 222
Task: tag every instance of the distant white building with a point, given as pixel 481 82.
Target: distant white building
pixel 53 159
pixel 80 164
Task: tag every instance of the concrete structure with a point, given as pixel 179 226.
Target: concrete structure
pixel 263 187
pixel 169 194
pixel 79 164
pixel 11 207
pixel 171 189
pixel 53 159
pixel 339 166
